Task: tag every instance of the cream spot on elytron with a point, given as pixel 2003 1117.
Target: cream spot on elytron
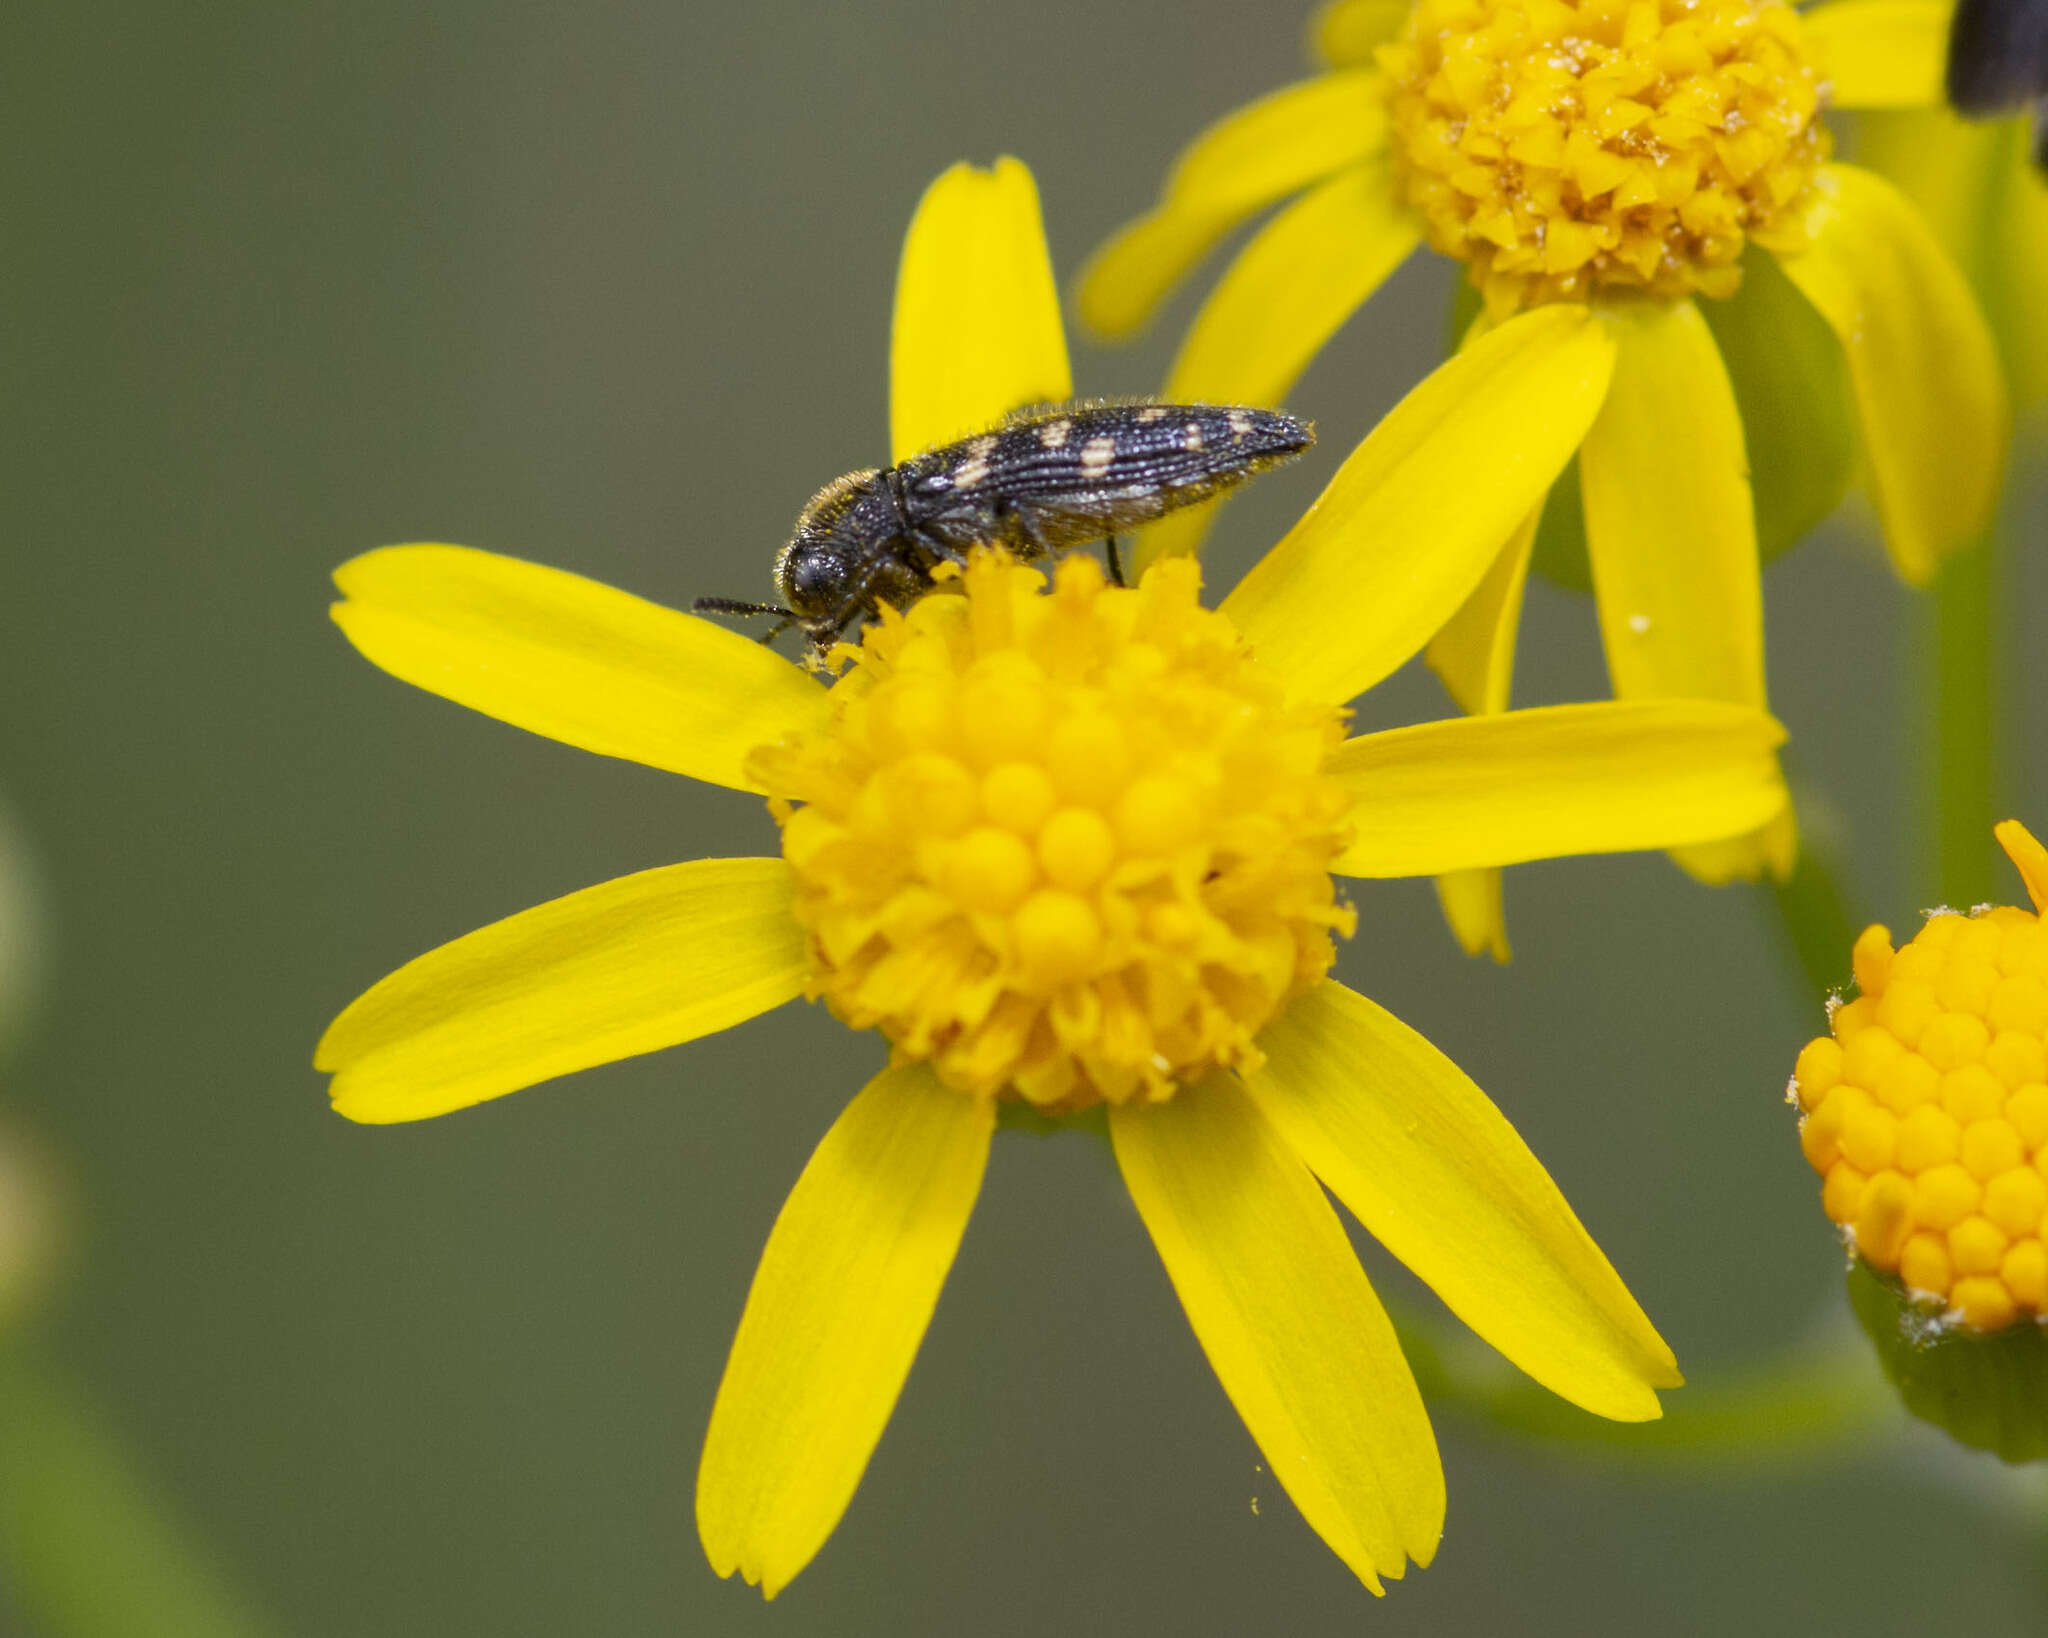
pixel 970 471
pixel 1154 413
pixel 1096 454
pixel 1240 424
pixel 1054 433
pixel 1191 438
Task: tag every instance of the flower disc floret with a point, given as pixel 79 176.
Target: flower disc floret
pixel 1925 1109
pixel 1072 846
pixel 1568 147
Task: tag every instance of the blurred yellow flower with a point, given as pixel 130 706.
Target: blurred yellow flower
pixel 1074 847
pixel 1974 185
pixel 1925 1106
pixel 1622 157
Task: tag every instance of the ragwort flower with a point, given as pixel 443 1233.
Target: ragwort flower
pixel 1975 185
pixel 1074 847
pixel 1622 156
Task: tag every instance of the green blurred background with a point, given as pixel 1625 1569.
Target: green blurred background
pixel 608 286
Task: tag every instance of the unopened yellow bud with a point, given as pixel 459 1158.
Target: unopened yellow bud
pixel 1925 1108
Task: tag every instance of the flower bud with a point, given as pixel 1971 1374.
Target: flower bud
pixel 1925 1111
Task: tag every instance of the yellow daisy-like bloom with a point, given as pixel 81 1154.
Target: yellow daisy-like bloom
pixel 1567 150
pixel 1628 158
pixel 1074 845
pixel 1925 1107
pixel 1077 847
pixel 1976 186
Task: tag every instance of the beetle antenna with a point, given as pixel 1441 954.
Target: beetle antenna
pixel 739 605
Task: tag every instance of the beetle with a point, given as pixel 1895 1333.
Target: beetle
pixel 1998 60
pixel 1040 481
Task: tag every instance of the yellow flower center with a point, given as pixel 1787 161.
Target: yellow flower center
pixel 1568 147
pixel 1069 846
pixel 1926 1109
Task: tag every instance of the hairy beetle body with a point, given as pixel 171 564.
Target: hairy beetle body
pixel 1042 481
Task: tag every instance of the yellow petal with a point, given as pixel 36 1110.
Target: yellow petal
pixel 1474 655
pixel 977 330
pixel 2029 858
pixel 627 967
pixel 1471 903
pixel 1475 658
pixel 1973 185
pixel 1300 277
pixel 1928 394
pixel 1560 554
pixel 1771 849
pixel 1437 1175
pixel 1671 530
pixel 1240 165
pixel 1178 534
pixel 1881 53
pixel 1294 1332
pixel 1420 510
pixel 573 659
pixel 1792 394
pixel 2024 268
pixel 840 1302
pixel 1346 33
pixel 1946 166
pixel 1608 777
pixel 1669 523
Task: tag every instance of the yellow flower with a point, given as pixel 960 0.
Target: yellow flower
pixel 1974 185
pixel 1074 847
pixel 1617 156
pixel 1925 1107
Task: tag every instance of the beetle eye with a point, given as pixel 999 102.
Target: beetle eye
pixel 814 580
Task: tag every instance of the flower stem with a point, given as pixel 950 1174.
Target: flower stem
pixel 1815 916
pixel 88 1548
pixel 1813 1397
